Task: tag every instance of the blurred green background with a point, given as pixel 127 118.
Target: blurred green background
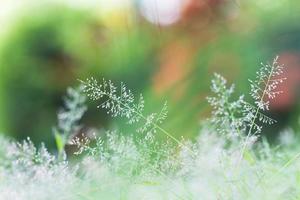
pixel 167 50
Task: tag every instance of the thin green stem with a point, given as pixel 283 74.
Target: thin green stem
pixel 289 162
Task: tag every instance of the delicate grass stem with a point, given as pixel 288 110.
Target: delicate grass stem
pixel 256 112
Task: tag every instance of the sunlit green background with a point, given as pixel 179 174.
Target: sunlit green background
pixel 167 50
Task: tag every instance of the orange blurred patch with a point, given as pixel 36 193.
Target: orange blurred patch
pixel 194 8
pixel 174 66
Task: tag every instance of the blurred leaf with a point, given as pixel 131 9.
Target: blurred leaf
pixel 60 141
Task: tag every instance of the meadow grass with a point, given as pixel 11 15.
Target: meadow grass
pixel 229 159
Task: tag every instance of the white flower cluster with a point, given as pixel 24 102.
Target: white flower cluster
pixel 120 102
pixel 227 115
pixel 28 172
pixel 235 117
pixel 24 158
pixel 129 155
pixel 263 89
pixel 265 85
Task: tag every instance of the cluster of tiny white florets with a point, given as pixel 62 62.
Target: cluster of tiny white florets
pixel 265 85
pixel 120 102
pixel 239 116
pixel 25 157
pixel 28 172
pixel 263 89
pixel 116 103
pixel 227 114
pixel 129 155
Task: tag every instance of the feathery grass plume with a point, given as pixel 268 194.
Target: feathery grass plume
pixel 130 156
pixel 263 89
pixel 227 114
pixel 120 102
pixel 24 157
pixel 239 116
pixel 28 172
pixel 69 116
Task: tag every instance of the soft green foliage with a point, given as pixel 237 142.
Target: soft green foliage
pixel 114 166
